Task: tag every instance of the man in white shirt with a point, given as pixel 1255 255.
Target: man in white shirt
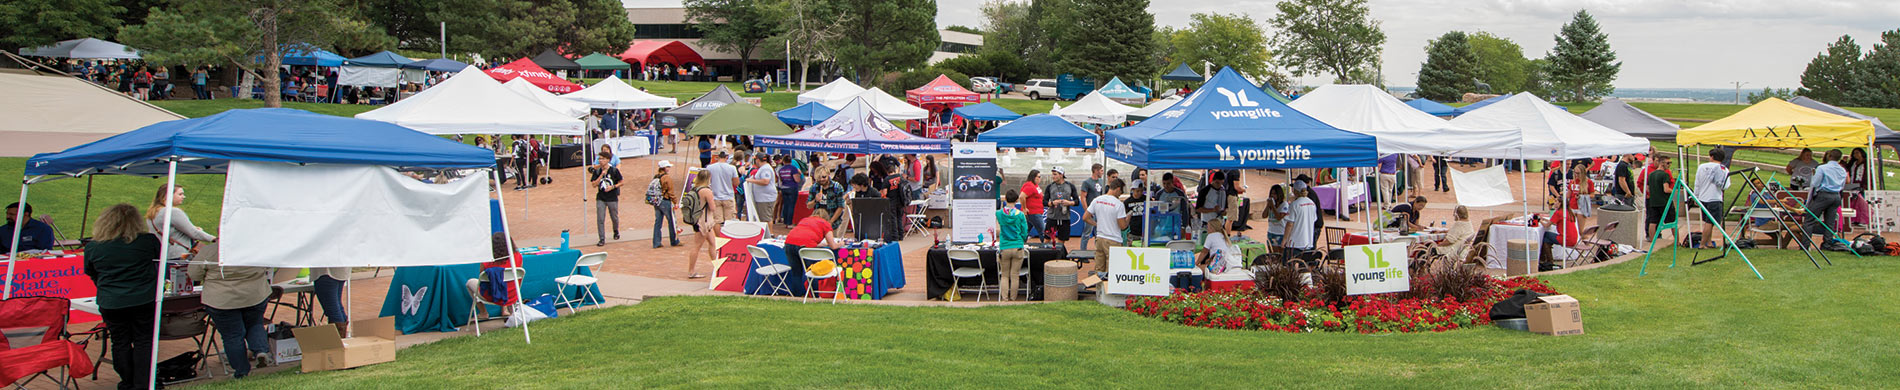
pixel 1110 217
pixel 761 188
pixel 1711 178
pixel 1301 216
pixel 723 177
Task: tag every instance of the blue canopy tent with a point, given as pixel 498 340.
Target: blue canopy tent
pixel 208 144
pixel 1039 131
pixel 1182 73
pixel 986 111
pixel 382 59
pixel 1230 124
pixel 306 55
pixel 438 65
pixel 805 114
pixel 1431 107
pixel 1120 92
pixel 855 129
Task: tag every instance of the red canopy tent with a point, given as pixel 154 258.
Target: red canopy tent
pixel 524 68
pixel 943 90
pixel 648 53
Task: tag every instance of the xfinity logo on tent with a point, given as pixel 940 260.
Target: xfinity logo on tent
pixel 1279 156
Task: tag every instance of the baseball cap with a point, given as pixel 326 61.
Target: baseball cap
pixel 1057 169
pixel 1299 185
pixel 665 164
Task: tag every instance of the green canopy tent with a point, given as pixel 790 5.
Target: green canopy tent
pixel 596 63
pixel 737 119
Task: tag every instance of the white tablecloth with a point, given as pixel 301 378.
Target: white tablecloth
pixel 1502 234
pixel 628 146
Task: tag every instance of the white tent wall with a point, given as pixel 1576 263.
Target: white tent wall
pixel 547 99
pixel 834 94
pixel 369 77
pixel 287 215
pixel 1095 108
pixel 1399 128
pixel 471 102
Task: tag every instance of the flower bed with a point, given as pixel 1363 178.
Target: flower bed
pixel 1377 313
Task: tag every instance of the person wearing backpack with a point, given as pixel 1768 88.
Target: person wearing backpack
pixel 695 206
pixel 606 181
pixel 660 196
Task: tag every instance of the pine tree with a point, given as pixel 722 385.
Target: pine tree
pixel 1582 65
pixel 1831 74
pixel 1449 69
pixel 1877 76
pixel 1109 38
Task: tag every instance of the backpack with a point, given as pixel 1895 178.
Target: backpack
pixel 1869 244
pixel 692 207
pixel 653 192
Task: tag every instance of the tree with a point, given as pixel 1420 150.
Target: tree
pixel 964 29
pixel 1115 39
pixel 874 36
pixel 1582 64
pixel 501 28
pixel 1337 37
pixel 599 26
pixel 239 31
pixel 1783 94
pixel 736 25
pixel 1830 75
pixel 1501 64
pixel 970 64
pixel 806 25
pixel 1231 40
pixel 1449 70
pixel 1015 29
pixel 34 23
pixel 1877 76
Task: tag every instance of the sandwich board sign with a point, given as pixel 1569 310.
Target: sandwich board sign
pixel 1378 268
pixel 1138 271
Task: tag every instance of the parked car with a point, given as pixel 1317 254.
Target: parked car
pixel 983 84
pixel 1040 88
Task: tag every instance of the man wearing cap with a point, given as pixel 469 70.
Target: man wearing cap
pixel 1303 218
pixel 724 177
pixel 605 178
pixel 660 195
pixel 1058 196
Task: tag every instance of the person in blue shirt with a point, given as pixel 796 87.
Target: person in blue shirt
pixel 1824 198
pixel 34 235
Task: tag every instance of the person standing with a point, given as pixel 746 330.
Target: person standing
pixel 120 262
pixel 1012 228
pixel 724 177
pixel 1855 190
pixel 1388 178
pixel 1060 196
pixel 198 79
pixel 1110 216
pixel 790 179
pixel 1093 186
pixel 697 208
pixel 235 299
pixel 827 198
pixel 1211 202
pixel 760 189
pixel 162 83
pixel 1623 181
pixel 705 151
pixel 1032 206
pixel 524 162
pixel 1711 179
pixel 660 195
pixel 1800 169
pixel 605 179
pixel 1302 222
pixel 1661 188
pixel 1440 171
pixel 185 235
pixel 142 83
pixel 1824 198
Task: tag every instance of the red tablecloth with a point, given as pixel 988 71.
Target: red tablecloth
pixel 63 277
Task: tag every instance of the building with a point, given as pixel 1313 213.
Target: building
pixel 653 28
pixel 955 44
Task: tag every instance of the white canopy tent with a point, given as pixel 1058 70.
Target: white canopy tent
pixel 48 112
pixel 891 107
pixel 614 94
pixel 1095 108
pixel 835 94
pixel 1155 108
pixel 547 99
pixel 1549 132
pixel 471 102
pixel 83 48
pixel 1400 128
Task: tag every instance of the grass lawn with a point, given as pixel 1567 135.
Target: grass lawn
pixel 1713 325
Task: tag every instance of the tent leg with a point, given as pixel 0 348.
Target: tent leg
pixel 507 236
pixel 165 238
pixel 13 250
pixel 85 210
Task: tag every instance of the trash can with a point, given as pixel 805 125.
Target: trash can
pixel 1629 225
pixel 1058 280
pixel 1517 259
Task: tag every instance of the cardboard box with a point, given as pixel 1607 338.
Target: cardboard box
pixel 1554 315
pixel 324 348
pixel 285 350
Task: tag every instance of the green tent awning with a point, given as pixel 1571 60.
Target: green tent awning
pixel 599 61
pixel 738 119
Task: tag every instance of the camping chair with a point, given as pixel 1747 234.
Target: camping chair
pixel 322 95
pixel 814 256
pixel 967 264
pixel 185 318
pixel 1594 245
pixel 475 291
pixel 59 237
pixel 584 282
pixel 35 343
pixel 762 264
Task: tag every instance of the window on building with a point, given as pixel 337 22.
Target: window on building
pixel 953 47
pixel 666 31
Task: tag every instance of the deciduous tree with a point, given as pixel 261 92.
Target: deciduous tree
pixel 1230 40
pixel 1501 63
pixel 874 36
pixel 737 25
pixel 238 32
pixel 34 23
pixel 1337 37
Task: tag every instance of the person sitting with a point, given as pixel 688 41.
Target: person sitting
pixel 1459 237
pixel 34 235
pixel 1405 215
pixel 1562 232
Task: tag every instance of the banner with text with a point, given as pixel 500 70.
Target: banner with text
pixel 1378 268
pixel 974 188
pixel 1138 271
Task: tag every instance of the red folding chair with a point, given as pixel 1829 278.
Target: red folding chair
pixel 35 331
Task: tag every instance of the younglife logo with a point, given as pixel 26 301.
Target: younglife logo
pixel 1140 263
pixel 1279 156
pixel 1126 149
pixel 1375 259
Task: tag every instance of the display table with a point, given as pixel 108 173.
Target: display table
pixel 440 299
pixel 627 146
pixel 1502 233
pixel 937 269
pixel 1361 238
pixel 867 274
pixel 54 274
pixel 1329 196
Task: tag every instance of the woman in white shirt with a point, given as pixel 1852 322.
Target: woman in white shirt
pixel 184 235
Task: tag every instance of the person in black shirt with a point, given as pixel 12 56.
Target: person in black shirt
pixel 1405 215
pixel 1623 183
pixel 1660 185
pixel 605 179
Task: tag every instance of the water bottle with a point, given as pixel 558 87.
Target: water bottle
pixel 564 239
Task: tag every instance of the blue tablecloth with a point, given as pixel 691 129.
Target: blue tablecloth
pixel 441 300
pixel 887 271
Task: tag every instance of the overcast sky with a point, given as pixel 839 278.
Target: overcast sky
pixel 1662 43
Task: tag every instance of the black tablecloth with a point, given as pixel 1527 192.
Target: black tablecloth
pixel 937 269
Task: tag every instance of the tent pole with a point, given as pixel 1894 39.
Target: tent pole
pixel 164 244
pixel 13 250
pixel 85 210
pixel 1370 237
pixel 1147 213
pixel 507 235
pixel 1523 184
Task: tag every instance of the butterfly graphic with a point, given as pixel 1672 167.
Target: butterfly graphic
pixel 412 302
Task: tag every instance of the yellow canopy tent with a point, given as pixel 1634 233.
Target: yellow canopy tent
pixel 1775 123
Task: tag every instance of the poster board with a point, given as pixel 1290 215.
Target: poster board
pixel 974 190
pixel 1377 268
pixel 1885 209
pixel 1138 271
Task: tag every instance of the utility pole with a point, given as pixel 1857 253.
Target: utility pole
pixel 1738 91
pixel 445 39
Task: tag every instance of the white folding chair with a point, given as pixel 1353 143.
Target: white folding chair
pixel 967 264
pixel 813 256
pixel 475 291
pixel 762 265
pixel 585 282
